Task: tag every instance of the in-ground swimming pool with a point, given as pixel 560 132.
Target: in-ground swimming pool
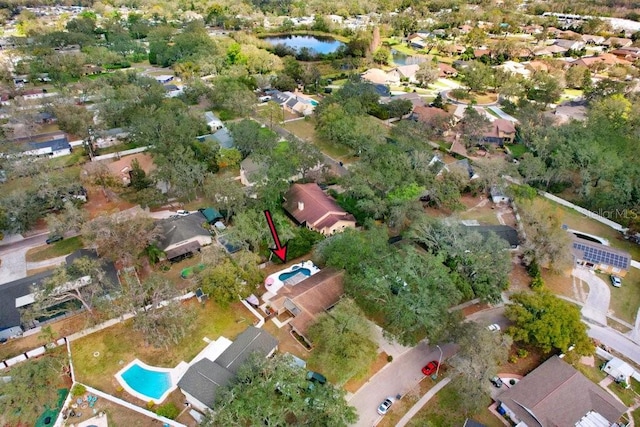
pixel 290 274
pixel 147 382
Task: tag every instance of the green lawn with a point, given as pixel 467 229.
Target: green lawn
pixel 625 300
pixel 592 372
pixel 54 250
pixel 304 129
pixel 443 410
pixel 518 150
pixel 627 395
pixel 120 344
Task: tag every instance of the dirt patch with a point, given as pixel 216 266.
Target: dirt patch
pixel 523 365
pixel 519 279
pixel 560 283
pixel 116 415
pixel 354 384
pixel 101 200
pixel 475 308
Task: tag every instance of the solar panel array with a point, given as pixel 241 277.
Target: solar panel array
pixel 600 256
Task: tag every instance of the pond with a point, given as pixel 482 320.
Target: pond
pixel 400 58
pixel 317 44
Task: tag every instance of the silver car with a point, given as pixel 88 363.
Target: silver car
pixel 385 405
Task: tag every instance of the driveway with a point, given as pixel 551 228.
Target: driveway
pixel 398 377
pixel 596 306
pixel 13 265
pixel 490 316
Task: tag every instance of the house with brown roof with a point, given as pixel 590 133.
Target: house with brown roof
pixel 499 131
pixel 402 72
pixel 592 40
pixel 447 70
pixel 308 299
pixel 556 394
pixel 604 58
pixel 432 116
pixel 317 211
pixel 617 42
pixel 121 168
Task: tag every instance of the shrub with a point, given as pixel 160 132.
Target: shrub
pixel 537 283
pixel 513 358
pixel 512 381
pixel 389 358
pixel 150 404
pixel 522 353
pixel 78 390
pixel 168 410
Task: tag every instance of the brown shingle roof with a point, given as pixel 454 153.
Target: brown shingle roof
pixel 318 209
pixel 429 114
pixel 558 395
pixel 312 296
pixel 499 127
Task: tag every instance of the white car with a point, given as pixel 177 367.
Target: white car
pixel 182 212
pixel 385 405
pixel 493 327
pixel 616 281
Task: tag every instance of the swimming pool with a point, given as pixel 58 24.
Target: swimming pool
pixel 290 274
pixel 146 382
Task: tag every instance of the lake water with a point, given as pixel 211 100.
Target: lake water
pixel 400 58
pixel 323 45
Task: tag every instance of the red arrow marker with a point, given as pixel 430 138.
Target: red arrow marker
pixel 280 251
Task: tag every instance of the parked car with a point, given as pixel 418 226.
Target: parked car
pixel 54 238
pixel 616 281
pixel 496 381
pixel 493 327
pixel 182 212
pixel 316 377
pixel 385 405
pixel 430 368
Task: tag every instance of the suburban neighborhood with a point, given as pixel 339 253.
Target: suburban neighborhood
pixel 320 213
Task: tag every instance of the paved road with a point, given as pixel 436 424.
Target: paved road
pixel 502 114
pixel 615 340
pixel 423 401
pixel 597 305
pixel 398 377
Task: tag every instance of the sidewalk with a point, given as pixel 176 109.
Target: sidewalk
pixel 423 401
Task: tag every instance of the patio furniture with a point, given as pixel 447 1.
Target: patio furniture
pixel 201 296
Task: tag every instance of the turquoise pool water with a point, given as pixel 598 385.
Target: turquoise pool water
pixel 314 103
pixel 150 383
pixel 290 274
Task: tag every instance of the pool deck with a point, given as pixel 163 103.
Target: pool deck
pixel 277 284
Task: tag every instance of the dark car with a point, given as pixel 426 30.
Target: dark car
pixel 316 377
pixel 430 368
pixel 54 238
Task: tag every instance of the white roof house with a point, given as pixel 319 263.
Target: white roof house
pixel 213 121
pixel 619 370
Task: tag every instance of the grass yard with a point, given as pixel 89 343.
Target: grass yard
pixel 578 221
pixel 120 344
pixel 443 410
pixel 518 150
pixel 592 372
pixel 304 129
pixel 627 395
pixel 355 383
pixel 401 407
pixel 54 250
pixel 625 300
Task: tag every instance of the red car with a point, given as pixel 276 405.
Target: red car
pixel 430 368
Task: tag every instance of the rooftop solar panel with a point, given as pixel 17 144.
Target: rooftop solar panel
pixel 602 256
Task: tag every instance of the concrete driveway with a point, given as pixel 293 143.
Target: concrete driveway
pixel 13 265
pixel 596 306
pixel 398 377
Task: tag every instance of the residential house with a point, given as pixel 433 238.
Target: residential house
pixel 500 131
pixel 249 172
pixel 478 53
pixel 91 70
pixel 464 29
pixel 570 44
pixel 620 370
pixel 414 97
pixel 308 299
pixel 404 72
pixel 630 54
pixel 19 293
pixel 314 209
pixel 121 168
pixel 447 70
pixel 378 76
pixel 111 137
pixel 556 394
pixel 607 59
pixel 596 256
pixel 172 90
pixel 537 66
pixel 211 215
pixel 213 121
pixel 201 382
pixel 31 94
pixel 592 40
pixel 59 146
pixel 498 195
pixel 515 68
pixel 506 233
pixel 222 137
pixel 163 79
pixel 183 236
pixel 617 42
pixel 550 51
pixel 434 117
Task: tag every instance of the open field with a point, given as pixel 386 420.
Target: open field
pixel 305 130
pixel 54 250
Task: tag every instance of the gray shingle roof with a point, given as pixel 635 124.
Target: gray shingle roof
pixel 506 233
pixel 203 378
pixel 176 230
